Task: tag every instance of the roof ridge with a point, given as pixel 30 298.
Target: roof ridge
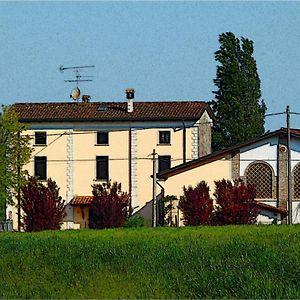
pixel 98 102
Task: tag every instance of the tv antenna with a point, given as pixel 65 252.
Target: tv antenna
pixel 75 93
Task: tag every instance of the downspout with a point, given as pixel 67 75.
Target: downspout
pixel 162 189
pixel 183 142
pixel 129 168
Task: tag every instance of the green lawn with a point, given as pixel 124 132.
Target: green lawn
pixel 200 262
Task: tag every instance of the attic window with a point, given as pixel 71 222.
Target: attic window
pixel 102 137
pixel 165 137
pixel 40 138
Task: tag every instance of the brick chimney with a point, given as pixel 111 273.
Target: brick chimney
pixel 130 96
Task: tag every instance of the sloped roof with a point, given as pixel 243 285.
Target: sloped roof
pixel 110 111
pixel 81 200
pixel 271 208
pixel 223 153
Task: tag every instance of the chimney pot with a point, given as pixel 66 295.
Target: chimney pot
pixel 86 98
pixel 130 96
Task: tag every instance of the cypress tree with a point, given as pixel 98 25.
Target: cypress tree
pixel 238 106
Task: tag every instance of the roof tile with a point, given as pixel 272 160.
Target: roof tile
pixel 111 111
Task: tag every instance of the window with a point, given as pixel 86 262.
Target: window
pixel 40 167
pixel 40 138
pixel 102 167
pixel 260 175
pixel 164 162
pixel 164 137
pixel 296 174
pixel 102 138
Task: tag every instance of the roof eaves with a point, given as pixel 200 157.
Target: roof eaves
pixel 114 119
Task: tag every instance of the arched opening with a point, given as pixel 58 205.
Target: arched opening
pixel 260 175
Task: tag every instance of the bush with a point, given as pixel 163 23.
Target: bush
pixel 196 205
pixel 235 203
pixel 42 206
pixel 135 221
pixel 110 206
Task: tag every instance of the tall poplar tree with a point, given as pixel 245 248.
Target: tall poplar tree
pixel 238 107
pixel 15 152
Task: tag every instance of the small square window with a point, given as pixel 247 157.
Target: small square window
pixel 102 138
pixel 40 167
pixel 165 137
pixel 164 162
pixel 40 138
pixel 102 167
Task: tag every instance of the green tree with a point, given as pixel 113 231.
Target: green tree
pixel 239 109
pixel 15 152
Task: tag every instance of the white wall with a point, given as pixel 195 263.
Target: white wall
pixel 264 150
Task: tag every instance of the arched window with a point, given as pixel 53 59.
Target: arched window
pixel 296 174
pixel 260 175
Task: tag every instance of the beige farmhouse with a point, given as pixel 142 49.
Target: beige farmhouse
pixel 83 143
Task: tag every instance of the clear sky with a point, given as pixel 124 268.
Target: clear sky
pixel 165 50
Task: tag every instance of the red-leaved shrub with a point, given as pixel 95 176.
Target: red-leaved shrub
pixel 235 203
pixel 110 206
pixel 42 206
pixel 196 205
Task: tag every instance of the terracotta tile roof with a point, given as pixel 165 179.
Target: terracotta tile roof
pixel 107 111
pixel 81 200
pixel 271 208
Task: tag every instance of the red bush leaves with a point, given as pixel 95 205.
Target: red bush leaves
pixel 196 205
pixel 235 203
pixel 110 206
pixel 42 206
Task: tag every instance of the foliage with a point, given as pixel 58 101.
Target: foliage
pixel 42 206
pixel 134 221
pixel 235 203
pixel 15 152
pixel 166 208
pixel 196 205
pixel 110 206
pixel 232 262
pixel 238 107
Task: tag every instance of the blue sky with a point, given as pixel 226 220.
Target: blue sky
pixel 165 50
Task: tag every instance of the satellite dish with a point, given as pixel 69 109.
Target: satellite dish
pixel 75 94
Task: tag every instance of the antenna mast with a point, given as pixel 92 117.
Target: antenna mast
pixel 75 93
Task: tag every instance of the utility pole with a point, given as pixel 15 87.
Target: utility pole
pixel 289 198
pixel 154 159
pixel 18 189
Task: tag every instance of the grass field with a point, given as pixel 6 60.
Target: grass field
pixel 200 262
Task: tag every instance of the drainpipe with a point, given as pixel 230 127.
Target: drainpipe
pixel 184 142
pixel 129 168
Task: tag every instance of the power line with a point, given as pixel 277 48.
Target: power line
pixel 82 131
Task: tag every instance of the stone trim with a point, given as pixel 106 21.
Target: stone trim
pixel 282 177
pixel 70 178
pixel 204 136
pixel 134 193
pixel 235 166
pixel 195 141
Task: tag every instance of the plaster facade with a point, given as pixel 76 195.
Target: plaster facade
pixel 72 148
